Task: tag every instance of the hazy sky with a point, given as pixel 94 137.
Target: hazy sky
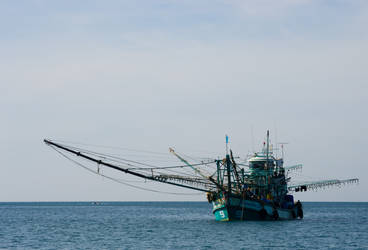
pixel 153 74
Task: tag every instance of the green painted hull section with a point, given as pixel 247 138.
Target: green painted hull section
pixel 222 214
pixel 238 209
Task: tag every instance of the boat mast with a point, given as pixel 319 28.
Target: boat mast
pixel 228 167
pixel 267 163
pixel 228 174
pixel 237 177
pixel 268 144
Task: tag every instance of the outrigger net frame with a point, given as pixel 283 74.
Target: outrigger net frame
pixel 321 184
pixel 179 175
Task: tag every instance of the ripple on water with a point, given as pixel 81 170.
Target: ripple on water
pixel 176 225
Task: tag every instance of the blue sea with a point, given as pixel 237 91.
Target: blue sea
pixel 175 225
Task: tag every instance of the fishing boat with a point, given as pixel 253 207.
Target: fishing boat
pixel 257 188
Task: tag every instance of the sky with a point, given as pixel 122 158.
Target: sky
pixel 151 75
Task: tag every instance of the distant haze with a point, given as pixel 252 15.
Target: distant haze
pixel 154 74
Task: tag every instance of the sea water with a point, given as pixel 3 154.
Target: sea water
pixel 175 225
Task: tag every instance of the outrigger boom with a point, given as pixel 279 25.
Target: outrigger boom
pixel 127 171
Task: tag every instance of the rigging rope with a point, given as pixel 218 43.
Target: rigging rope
pixel 132 166
pixel 117 180
pixel 127 160
pixel 111 147
pixel 124 161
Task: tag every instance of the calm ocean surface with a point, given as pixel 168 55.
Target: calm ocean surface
pixel 175 225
